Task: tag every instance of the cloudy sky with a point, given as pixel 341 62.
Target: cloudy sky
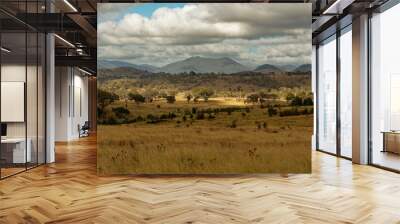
pixel 158 34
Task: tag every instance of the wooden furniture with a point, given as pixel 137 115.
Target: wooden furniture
pixel 391 141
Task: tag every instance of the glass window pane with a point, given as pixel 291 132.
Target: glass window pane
pixel 41 98
pixel 327 96
pixel 23 90
pixel 31 97
pixel 13 86
pixel 346 94
pixel 385 92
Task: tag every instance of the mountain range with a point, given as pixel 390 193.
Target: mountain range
pixel 267 68
pixel 204 65
pixel 303 68
pixel 106 64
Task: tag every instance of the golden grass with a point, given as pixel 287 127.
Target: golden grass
pixel 206 146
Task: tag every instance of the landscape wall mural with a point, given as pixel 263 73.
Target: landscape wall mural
pixel 204 88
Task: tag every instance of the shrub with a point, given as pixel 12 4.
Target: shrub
pixel 120 112
pixel 211 116
pixel 171 115
pixel 265 125
pixel 188 97
pixel 200 116
pixel 290 96
pixel 272 111
pixel 258 124
pixel 136 97
pixel 253 98
pixel 203 92
pixel 289 112
pixel 110 120
pixel 153 119
pixel 105 98
pixel 132 120
pixel 308 101
pixel 296 101
pixel 170 99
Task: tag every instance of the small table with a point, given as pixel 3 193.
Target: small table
pixel 391 141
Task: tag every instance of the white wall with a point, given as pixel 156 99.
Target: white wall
pixel 16 73
pixel 12 73
pixel 62 81
pixel 71 103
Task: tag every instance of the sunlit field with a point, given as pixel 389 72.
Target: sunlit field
pixel 222 135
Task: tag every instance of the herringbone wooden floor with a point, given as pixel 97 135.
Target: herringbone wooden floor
pixel 69 191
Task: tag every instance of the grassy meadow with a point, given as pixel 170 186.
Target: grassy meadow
pixel 220 135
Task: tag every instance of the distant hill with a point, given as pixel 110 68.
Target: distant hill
pixel 101 64
pixel 110 64
pixel 204 65
pixel 119 73
pixel 148 68
pixel 303 68
pixel 287 68
pixel 267 68
pixel 246 81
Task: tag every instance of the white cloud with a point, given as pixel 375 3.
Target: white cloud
pixel 253 34
pixel 112 11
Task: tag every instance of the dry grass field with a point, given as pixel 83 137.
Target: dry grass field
pixel 246 140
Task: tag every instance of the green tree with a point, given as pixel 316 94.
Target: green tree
pixel 290 96
pixel 150 94
pixel 170 99
pixel 120 112
pixel 253 98
pixel 136 97
pixel 272 111
pixel 308 101
pixel 105 98
pixel 296 101
pixel 203 92
pixel 188 97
